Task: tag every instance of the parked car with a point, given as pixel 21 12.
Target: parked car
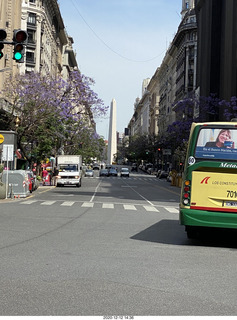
pixel 96 166
pixel 33 185
pixel 134 167
pixel 150 170
pixel 124 172
pixel 89 173
pixel 113 172
pixel 104 173
pixel 162 174
pixel 30 183
pixel 147 167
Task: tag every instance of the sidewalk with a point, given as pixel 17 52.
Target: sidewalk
pixel 38 190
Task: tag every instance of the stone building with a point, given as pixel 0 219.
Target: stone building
pixel 10 19
pixel 217 44
pixel 174 80
pixel 49 49
pixel 46 36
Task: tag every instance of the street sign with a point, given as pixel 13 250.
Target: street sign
pixel 1 138
pixel 8 152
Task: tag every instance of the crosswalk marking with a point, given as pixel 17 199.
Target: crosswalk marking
pixel 88 204
pixel 129 207
pixel 29 202
pixel 67 203
pixel 47 203
pixel 108 206
pixel 172 210
pixel 150 208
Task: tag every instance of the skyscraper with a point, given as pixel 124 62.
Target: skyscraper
pixel 112 140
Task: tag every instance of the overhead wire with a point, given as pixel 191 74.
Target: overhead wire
pixel 106 45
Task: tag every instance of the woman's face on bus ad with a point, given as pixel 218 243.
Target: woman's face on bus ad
pixel 224 136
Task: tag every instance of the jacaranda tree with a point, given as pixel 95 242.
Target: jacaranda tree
pixel 50 113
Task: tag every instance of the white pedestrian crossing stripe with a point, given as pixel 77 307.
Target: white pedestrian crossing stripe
pixel 172 210
pixel 108 206
pixel 150 208
pixel 129 207
pixel 29 202
pixel 47 203
pixel 88 205
pixel 147 208
pixel 68 203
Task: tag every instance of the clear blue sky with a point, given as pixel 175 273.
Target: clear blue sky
pixel 119 43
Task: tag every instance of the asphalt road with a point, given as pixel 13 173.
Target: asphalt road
pixel 110 248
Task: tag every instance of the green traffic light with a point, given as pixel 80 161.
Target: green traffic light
pixel 18 56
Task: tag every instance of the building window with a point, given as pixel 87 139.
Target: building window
pixel 32 19
pixel 31 36
pixel 187 5
pixel 32 1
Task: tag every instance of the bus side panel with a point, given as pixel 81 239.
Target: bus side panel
pixel 202 218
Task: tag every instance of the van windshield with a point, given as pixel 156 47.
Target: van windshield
pixel 68 167
pixel 213 143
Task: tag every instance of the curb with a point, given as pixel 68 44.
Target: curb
pixel 46 188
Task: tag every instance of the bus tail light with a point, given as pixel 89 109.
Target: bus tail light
pixel 186 192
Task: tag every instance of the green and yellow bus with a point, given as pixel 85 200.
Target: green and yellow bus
pixel 209 187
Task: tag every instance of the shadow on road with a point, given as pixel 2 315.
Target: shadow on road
pixel 171 232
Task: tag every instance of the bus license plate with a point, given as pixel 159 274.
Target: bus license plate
pixel 231 204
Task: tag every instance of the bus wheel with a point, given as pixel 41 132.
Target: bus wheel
pixel 192 232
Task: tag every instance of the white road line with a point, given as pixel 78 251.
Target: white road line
pixel 47 203
pixel 172 210
pixel 108 206
pixel 129 207
pixel 150 208
pixel 67 203
pixel 88 204
pixel 92 198
pixel 28 202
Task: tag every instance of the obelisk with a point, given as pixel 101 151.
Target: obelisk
pixel 112 139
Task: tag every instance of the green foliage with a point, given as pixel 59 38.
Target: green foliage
pixel 141 147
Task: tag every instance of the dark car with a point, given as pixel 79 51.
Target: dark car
pixel 134 167
pixel 96 166
pixel 162 174
pixel 104 173
pixel 113 172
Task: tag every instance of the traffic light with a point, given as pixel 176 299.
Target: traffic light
pixel 1 47
pixel 20 40
pixel 3 36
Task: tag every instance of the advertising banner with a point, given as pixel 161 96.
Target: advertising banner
pixel 217 144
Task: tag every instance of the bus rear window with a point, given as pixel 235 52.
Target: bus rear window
pixel 213 143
